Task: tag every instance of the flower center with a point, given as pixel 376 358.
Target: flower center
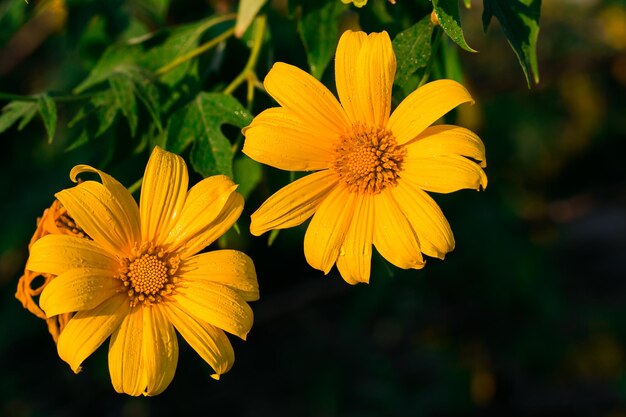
pixel 368 159
pixel 149 275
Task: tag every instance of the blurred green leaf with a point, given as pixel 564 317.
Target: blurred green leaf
pixel 413 49
pixel 520 22
pixel 124 91
pixel 468 3
pixel 319 32
pixel 16 110
pixel 148 94
pixel 247 173
pixel 447 12
pixel 247 11
pixel 48 112
pixel 199 124
pixel 107 107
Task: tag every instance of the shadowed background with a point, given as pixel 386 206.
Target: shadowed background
pixel 526 317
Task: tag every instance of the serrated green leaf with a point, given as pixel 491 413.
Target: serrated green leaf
pixel 148 94
pixel 48 112
pixel 247 173
pixel 520 22
pixel 112 59
pixel 247 11
pixel 16 110
pixel 178 42
pixel 106 107
pixel 319 32
pixel 413 49
pixel 199 124
pixel 124 91
pixel 447 12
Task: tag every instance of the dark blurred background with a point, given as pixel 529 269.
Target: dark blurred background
pixel 527 317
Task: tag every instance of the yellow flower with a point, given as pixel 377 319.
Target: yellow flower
pixel 139 279
pixel 372 167
pixel 357 3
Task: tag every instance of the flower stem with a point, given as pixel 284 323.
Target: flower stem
pixel 202 48
pixel 248 74
pixel 433 55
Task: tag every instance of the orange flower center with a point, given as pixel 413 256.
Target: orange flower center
pixel 149 275
pixel 368 159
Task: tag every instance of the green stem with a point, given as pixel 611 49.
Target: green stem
pixel 195 52
pixel 58 99
pixel 248 74
pixel 135 187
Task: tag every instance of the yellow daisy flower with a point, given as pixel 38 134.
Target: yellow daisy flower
pixel 140 277
pixel 372 165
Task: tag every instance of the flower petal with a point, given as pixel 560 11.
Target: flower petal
pixel 104 214
pixel 56 254
pixel 216 304
pixel 227 267
pixel 120 192
pixel 159 350
pixel 293 204
pixel 87 330
pixel 424 106
pixel 394 237
pixel 427 220
pixel 277 137
pixel 125 351
pixel 211 343
pixel 163 194
pixel 307 98
pixel 212 206
pixel 444 140
pixel 355 256
pixel 444 174
pixel 376 68
pixel 346 72
pixel 328 228
pixel 77 290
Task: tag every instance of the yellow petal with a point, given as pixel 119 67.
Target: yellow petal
pixel 163 194
pixel 424 106
pixel 355 255
pixel 328 229
pixel 211 343
pixel 103 215
pixel 278 138
pixel 293 204
pixel 376 68
pixel 394 237
pixel 56 254
pixel 87 330
pixel 127 374
pixel 427 220
pixel 216 304
pixel 77 290
pixel 307 98
pixel 126 200
pixel 212 206
pixel 159 350
pixel 227 267
pixel 444 140
pixel 346 72
pixel 444 174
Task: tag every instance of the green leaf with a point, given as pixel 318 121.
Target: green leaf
pixel 106 108
pixel 48 112
pixel 247 11
pixel 16 110
pixel 413 49
pixel 124 91
pixel 199 124
pixel 148 94
pixel 520 22
pixel 112 59
pixel 319 32
pixel 247 173
pixel 447 12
